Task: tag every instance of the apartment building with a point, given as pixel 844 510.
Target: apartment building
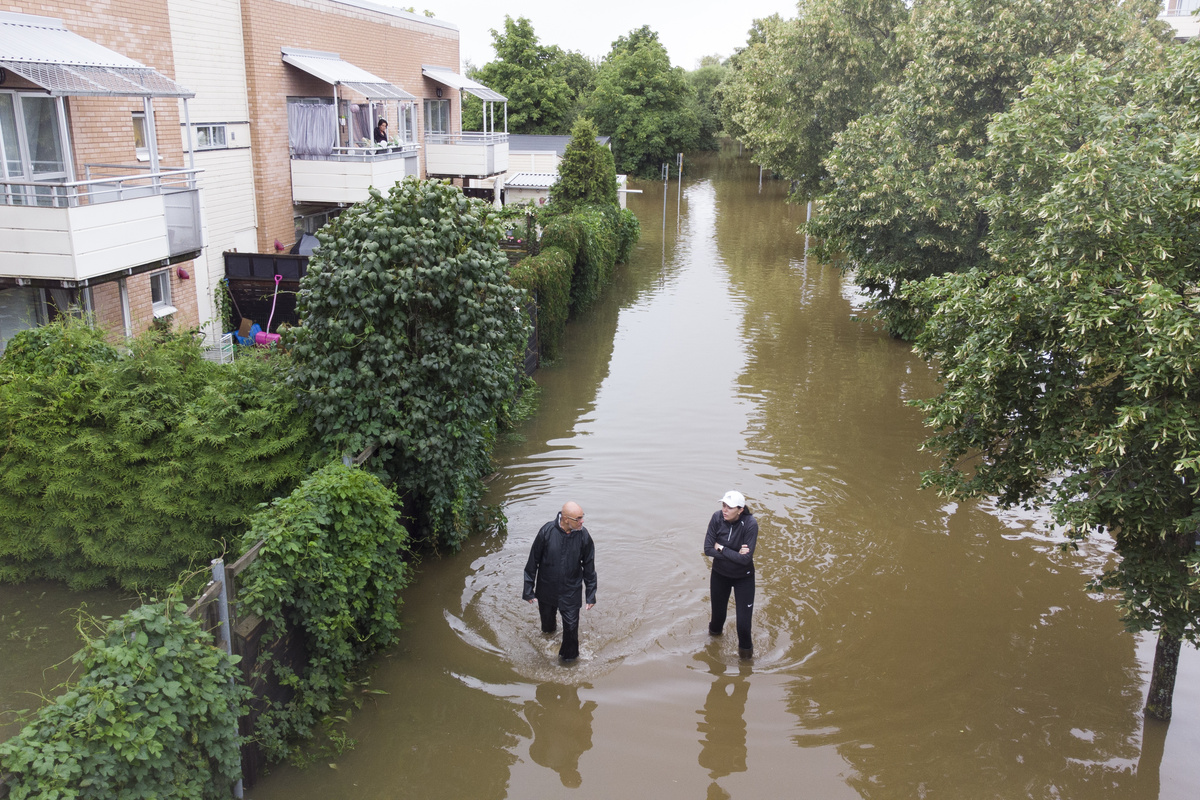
pixel 99 201
pixel 264 114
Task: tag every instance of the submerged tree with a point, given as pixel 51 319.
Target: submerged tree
pixel 411 338
pixel 904 198
pixel 799 82
pixel 1071 368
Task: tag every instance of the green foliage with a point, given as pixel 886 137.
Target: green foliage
pixel 126 468
pixel 644 104
pixel 586 174
pixel 540 101
pixel 799 82
pixel 154 715
pixel 547 276
pixel 332 567
pixel 904 197
pixel 1071 368
pixel 704 81
pixel 579 252
pixel 412 337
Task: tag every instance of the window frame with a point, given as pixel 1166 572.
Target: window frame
pixel 161 281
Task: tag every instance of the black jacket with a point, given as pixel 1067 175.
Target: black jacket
pixel 729 561
pixel 560 565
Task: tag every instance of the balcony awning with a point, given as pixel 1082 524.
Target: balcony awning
pixel 450 78
pixel 42 51
pixel 330 68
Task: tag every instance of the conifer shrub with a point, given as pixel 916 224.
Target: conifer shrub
pixel 125 468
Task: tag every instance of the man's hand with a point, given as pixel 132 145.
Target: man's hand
pixel 590 606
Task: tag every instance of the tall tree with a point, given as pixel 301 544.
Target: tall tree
pixel 1071 368
pixel 799 82
pixel 539 98
pixel 643 103
pixel 903 199
pixel 704 81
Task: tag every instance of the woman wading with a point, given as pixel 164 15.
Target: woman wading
pixel 732 535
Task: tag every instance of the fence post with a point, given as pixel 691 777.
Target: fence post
pixel 218 575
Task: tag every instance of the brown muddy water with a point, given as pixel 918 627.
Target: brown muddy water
pixel 906 646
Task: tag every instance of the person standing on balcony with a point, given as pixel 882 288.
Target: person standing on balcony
pixel 381 135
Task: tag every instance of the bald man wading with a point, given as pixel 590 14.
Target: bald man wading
pixel 562 563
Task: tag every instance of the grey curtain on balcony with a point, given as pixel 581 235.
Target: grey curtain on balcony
pixel 312 129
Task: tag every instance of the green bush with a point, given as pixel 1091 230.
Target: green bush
pixel 331 566
pixel 412 337
pixel 547 276
pixel 125 468
pixel 154 715
pixel 629 230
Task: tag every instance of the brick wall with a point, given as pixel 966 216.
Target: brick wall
pixel 391 46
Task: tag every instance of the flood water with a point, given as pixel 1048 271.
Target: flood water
pixel 905 646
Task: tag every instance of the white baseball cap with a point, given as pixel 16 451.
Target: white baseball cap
pixel 734 499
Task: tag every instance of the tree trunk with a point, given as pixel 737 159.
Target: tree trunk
pixel 1162 679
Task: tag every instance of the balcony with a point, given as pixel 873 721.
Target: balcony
pixel 347 174
pixel 118 219
pixel 466 155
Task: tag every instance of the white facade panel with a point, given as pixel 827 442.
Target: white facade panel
pixel 345 181
pixel 83 242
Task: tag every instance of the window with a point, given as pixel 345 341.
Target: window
pixel 437 117
pixel 141 142
pixel 210 137
pixel 160 293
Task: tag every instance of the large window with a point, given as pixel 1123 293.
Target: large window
pixel 31 134
pixel 437 117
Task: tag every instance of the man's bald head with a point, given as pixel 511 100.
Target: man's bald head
pixel 572 516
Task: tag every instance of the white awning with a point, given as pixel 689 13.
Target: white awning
pixel 448 77
pixel 330 68
pixel 42 51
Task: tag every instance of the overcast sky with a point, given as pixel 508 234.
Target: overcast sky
pixel 688 30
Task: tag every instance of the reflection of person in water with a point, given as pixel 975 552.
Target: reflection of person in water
pixel 723 748
pixel 562 730
pixel 723 743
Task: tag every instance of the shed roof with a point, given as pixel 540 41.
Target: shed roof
pixel 537 143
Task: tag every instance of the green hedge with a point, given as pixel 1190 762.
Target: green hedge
pixel 547 276
pixel 154 715
pixel 126 467
pixel 579 253
pixel 331 567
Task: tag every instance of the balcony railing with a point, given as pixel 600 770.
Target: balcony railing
pixel 475 155
pixel 119 218
pixel 378 153
pixel 1180 8
pixel 347 174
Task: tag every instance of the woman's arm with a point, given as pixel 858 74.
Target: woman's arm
pixel 710 538
pixel 744 555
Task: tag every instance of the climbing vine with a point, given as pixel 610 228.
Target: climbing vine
pixel 411 338
pixel 154 715
pixel 331 567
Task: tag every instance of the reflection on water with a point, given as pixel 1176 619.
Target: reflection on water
pixel 723 728
pixel 905 646
pixel 562 730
